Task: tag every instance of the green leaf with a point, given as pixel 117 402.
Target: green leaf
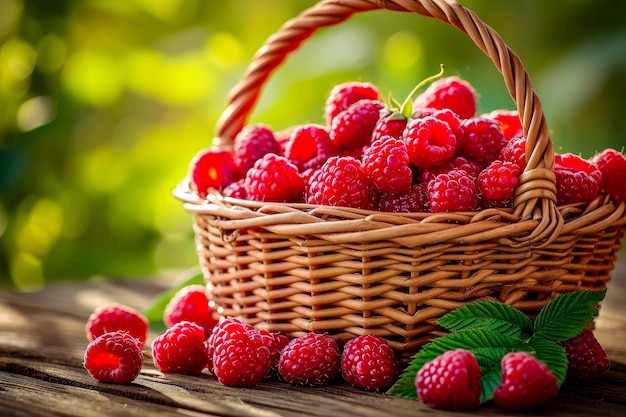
pixel 154 313
pixel 552 354
pixel 499 317
pixel 568 314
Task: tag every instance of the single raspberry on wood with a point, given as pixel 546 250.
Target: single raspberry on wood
pixel 274 178
pixel 450 381
pixel 251 143
pixel 241 359
pixel 212 168
pixel 309 146
pixel 612 164
pixel 577 180
pixel 369 363
pixel 452 93
pixel 346 94
pixel 275 342
pixel 353 127
pixel 181 349
pixel 114 316
pixel 386 163
pixel 341 181
pixel 453 191
pixel 312 360
pixel 224 329
pixel 414 200
pixel 527 383
pixel 482 141
pixel 114 357
pixel 429 142
pixel 586 358
pixel 191 303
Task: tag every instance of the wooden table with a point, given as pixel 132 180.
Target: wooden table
pixel 42 342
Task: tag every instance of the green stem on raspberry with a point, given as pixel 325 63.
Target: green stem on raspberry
pixel 407 107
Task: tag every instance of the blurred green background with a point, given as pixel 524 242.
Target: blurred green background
pixel 104 102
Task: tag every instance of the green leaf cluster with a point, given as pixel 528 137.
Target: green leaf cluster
pixel 490 329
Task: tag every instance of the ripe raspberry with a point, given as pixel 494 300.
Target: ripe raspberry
pixel 241 359
pixel 312 359
pixel 448 116
pixel 353 127
pixel 212 168
pixel 415 199
pixel 585 356
pixel 527 383
pixel 114 357
pixel 496 184
pixel 386 163
pixel 515 151
pixel 390 124
pixel 182 349
pixel 367 362
pixel 114 316
pixel 481 142
pixel 273 178
pixel 454 191
pixel 451 93
pixel 251 143
pixel 612 164
pixel 450 381
pixel 509 122
pixel 222 332
pixel 275 342
pixel 458 162
pixel 309 146
pixel 236 189
pixel 191 303
pixel 429 141
pixel 577 180
pixel 341 181
pixel 346 94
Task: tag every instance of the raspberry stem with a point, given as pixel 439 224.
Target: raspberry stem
pixel 407 106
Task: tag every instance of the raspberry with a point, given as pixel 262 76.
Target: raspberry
pixel 450 381
pixel 251 143
pixel 390 124
pixel 509 122
pixel 496 184
pixel 514 151
pixel 367 362
pixel 448 116
pixel 429 141
pixel 454 191
pixel 481 142
pixel 458 162
pixel 353 127
pixel 273 178
pixel 345 94
pixel 585 356
pixel 182 349
pixel 191 303
pixel 312 359
pixel 236 189
pixel 527 383
pixel 241 359
pixel 309 146
pixel 114 357
pixel 577 180
pixel 341 181
pixel 212 168
pixel 386 163
pixel 415 199
pixel 222 331
pixel 114 316
pixel 612 164
pixel 275 342
pixel 451 93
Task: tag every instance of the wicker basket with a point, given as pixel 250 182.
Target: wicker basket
pixel 299 268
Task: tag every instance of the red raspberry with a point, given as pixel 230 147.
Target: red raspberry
pixel 451 381
pixel 577 180
pixel 390 124
pixel 454 191
pixel 585 356
pixel 222 331
pixel 312 359
pixel 251 143
pixel 458 162
pixel 515 151
pixel 451 93
pixel 448 116
pixel 415 199
pixel 527 383
pixel 274 178
pixel 386 163
pixel 241 359
pixel 236 189
pixel 182 349
pixel 612 164
pixel 191 303
pixel 341 181
pixel 496 184
pixel 367 362
pixel 275 342
pixel 346 94
pixel 429 141
pixel 212 168
pixel 481 142
pixel 509 122
pixel 353 127
pixel 114 316
pixel 114 357
pixel 309 147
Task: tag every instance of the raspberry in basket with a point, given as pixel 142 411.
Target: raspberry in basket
pixel 341 181
pixel 391 123
pixel 182 349
pixel 515 151
pixel 481 142
pixel 453 191
pixel 457 162
pixel 386 163
pixel 191 303
pixel 251 143
pixel 452 93
pixel 212 168
pixel 312 359
pixel 429 141
pixel 415 199
pixel 309 146
pixel 497 182
pixel 369 363
pixel 274 178
pixel 586 359
pixel 352 128
pixel 612 164
pixel 114 316
pixel 346 94
pixel 114 357
pixel 509 122
pixel 577 180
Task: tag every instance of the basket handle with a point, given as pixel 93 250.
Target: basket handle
pixel 535 196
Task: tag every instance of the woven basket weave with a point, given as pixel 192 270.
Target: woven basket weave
pixel 298 268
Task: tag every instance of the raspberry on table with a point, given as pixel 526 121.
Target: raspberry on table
pixel 275 342
pixel 251 143
pixel 527 383
pixel 577 180
pixel 414 200
pixel 312 360
pixel 191 303
pixel 212 168
pixel 115 316
pixel 429 142
pixel 353 127
pixel 341 181
pixel 509 122
pixel 497 182
pixel 369 363
pixel 309 146
pixel 241 359
pixel 482 140
pixel 181 349
pixel 114 357
pixel 612 164
pixel 452 93
pixel 345 94
pixel 586 358
pixel 386 163
pixel 453 191
pixel 451 381
pixel 222 331
pixel 274 178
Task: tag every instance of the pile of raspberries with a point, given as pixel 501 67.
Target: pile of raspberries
pixel 441 157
